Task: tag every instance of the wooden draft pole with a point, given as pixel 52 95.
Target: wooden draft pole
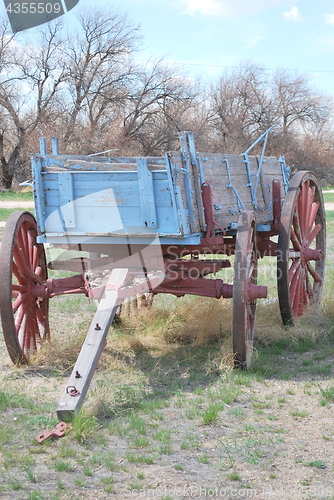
pixel 84 368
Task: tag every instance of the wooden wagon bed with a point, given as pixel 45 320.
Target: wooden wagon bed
pixel 122 195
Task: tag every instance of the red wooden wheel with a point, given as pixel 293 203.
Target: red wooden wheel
pixel 24 315
pixel 245 275
pixel 301 247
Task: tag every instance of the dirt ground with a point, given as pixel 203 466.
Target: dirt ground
pixel 275 440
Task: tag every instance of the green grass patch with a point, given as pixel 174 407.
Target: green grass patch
pixel 84 427
pixel 328 393
pixel 139 458
pixel 234 476
pixel 62 465
pixel 299 413
pixel 211 414
pixel 190 442
pixel 6 435
pixel 5 213
pixel 329 215
pixel 317 464
pixel 11 195
pixel 328 197
pixel 141 442
pixel 13 400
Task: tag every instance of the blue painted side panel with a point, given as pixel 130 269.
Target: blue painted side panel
pixel 39 193
pixel 102 202
pixel 146 194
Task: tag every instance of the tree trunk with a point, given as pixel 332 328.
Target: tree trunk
pixel 6 176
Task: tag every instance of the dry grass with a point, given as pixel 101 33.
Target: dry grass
pixel 199 321
pixel 327 305
pixel 194 320
pixel 61 353
pixel 170 322
pixel 315 324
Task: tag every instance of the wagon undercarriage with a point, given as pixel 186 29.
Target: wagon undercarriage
pixel 158 226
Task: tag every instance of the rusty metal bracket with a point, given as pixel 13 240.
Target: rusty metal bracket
pixel 208 212
pixel 277 203
pixel 58 431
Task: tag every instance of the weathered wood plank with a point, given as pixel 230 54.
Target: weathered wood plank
pixel 225 200
pixel 66 196
pixel 146 194
pixel 92 348
pixel 57 163
pixel 184 186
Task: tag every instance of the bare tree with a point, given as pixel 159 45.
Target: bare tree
pixel 297 104
pixel 9 115
pixel 247 101
pixel 99 70
pixel 157 107
pixel 30 79
pixel 61 84
pixel 302 118
pixel 85 88
pixel 241 107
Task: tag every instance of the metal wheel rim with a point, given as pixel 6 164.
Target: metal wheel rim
pixel 24 316
pixel 302 231
pixel 245 273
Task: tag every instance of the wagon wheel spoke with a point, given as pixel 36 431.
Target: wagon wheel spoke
pixel 313 213
pixel 303 204
pixel 19 301
pixel 295 241
pixel 245 274
pixel 19 318
pixel 22 266
pixel 297 293
pixel 42 317
pixel 296 227
pixel 309 287
pixel 315 275
pixel 310 206
pixel 17 273
pixel 313 234
pixel 301 247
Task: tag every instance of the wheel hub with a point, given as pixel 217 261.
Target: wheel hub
pixel 308 254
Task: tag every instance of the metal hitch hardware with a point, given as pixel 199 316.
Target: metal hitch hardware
pixel 72 391
pixel 58 431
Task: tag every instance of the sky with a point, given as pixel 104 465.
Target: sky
pixel 208 36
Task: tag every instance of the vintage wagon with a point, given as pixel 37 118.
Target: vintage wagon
pixel 158 225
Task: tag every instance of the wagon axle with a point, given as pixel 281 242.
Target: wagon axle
pixel 61 286
pixel 215 288
pixel 182 277
pixel 307 254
